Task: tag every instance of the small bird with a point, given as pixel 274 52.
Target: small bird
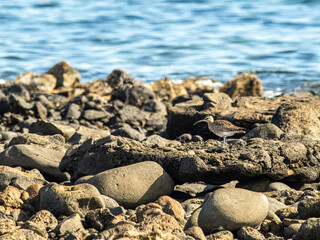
pixel 221 128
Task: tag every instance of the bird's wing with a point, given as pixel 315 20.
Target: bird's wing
pixel 228 125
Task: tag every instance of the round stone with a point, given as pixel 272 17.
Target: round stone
pixel 232 208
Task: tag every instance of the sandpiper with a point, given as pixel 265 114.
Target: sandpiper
pixel 221 128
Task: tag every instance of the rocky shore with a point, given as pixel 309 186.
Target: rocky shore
pixel 119 159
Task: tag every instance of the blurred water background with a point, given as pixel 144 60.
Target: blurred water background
pixel 278 40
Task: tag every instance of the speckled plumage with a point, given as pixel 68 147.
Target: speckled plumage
pixel 221 128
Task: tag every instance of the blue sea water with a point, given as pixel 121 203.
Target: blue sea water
pixel 279 40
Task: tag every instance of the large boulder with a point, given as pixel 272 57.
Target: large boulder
pixel 37 82
pixel 31 156
pixel 244 85
pixel 135 184
pixel 67 200
pixel 66 76
pixel 232 208
pixel 299 117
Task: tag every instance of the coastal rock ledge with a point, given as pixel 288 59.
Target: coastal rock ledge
pixel 119 159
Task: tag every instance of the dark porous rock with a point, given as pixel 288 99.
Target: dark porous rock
pixel 299 117
pixel 291 230
pixel 203 161
pixel 41 222
pixel 19 104
pixel 37 82
pixel 32 156
pixel 309 230
pixel 134 184
pixel 243 112
pixel 129 132
pixel 66 76
pixel 17 178
pixel 155 106
pixel 309 207
pixel 22 234
pixel 67 200
pixel 101 219
pixel 4 103
pixel 56 141
pixel 223 235
pixel 288 212
pixel 249 233
pixel 151 219
pixel 243 85
pixel 265 131
pixel 69 225
pixel 128 90
pixel 290 196
pixel 232 208
pixel 48 128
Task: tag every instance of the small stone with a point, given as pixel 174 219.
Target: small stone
pixel 129 132
pixel 172 207
pixel 73 111
pixel 288 212
pixel 37 82
pixel 70 224
pixel 7 136
pixel 11 197
pixel 249 233
pixel 221 235
pixel 41 110
pixel 233 208
pixel 196 233
pixel 22 234
pixel 93 115
pixel 277 186
pixel 7 225
pixel 275 205
pixel 264 131
pixel 291 230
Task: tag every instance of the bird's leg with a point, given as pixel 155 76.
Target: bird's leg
pixel 223 142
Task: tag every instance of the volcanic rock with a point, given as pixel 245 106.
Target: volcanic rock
pixel 243 85
pixel 66 76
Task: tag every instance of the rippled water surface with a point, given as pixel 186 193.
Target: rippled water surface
pixel 277 39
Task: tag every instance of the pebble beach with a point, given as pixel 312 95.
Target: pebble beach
pixel 117 158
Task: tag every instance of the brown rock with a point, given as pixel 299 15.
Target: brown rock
pixel 41 222
pixel 11 197
pixel 249 233
pixel 243 85
pixel 172 207
pixel 221 235
pixel 7 225
pixel 165 89
pixel 22 234
pixel 37 82
pixel 66 76
pixel 299 117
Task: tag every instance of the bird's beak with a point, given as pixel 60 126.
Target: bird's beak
pixel 203 120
